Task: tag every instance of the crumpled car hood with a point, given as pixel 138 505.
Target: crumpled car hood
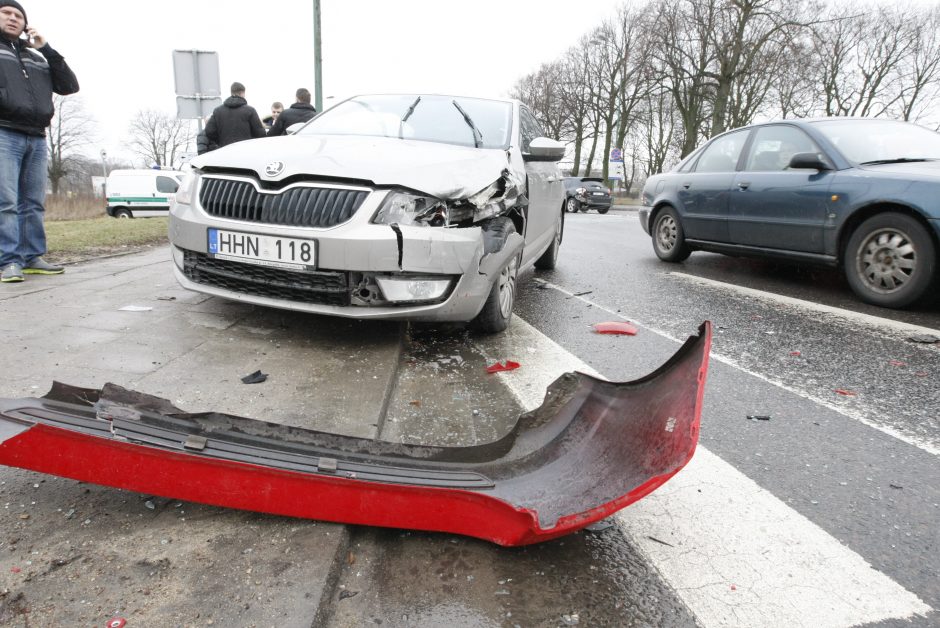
pixel 442 170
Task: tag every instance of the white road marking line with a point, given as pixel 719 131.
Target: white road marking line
pixel 876 322
pixel 915 440
pixel 725 530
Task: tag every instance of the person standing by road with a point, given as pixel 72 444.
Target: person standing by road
pixel 277 108
pixel 234 120
pixel 300 111
pixel 30 71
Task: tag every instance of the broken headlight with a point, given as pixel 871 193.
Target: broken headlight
pixel 404 208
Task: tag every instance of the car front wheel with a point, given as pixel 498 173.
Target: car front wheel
pixel 572 206
pixel 668 237
pixel 496 312
pixel 122 213
pixel 890 260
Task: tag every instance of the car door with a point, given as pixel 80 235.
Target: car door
pixel 546 192
pixel 704 190
pixel 773 206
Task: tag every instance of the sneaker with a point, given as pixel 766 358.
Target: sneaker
pixel 39 266
pixel 11 273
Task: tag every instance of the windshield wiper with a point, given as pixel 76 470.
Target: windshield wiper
pixel 897 160
pixel 404 118
pixel 477 136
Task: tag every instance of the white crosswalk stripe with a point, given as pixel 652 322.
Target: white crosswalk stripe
pixel 737 555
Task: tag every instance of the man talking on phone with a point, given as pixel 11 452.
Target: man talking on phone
pixel 30 71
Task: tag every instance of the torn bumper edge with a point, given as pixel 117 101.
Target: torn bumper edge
pixel 592 448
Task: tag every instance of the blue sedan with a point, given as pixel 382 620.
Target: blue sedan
pixel 860 194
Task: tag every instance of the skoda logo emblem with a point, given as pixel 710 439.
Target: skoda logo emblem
pixel 274 168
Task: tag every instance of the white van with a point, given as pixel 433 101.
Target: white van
pixel 141 193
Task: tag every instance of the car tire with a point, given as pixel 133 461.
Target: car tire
pixel 603 210
pixel 549 258
pixel 890 260
pixel 572 206
pixel 668 237
pixel 122 213
pixel 497 310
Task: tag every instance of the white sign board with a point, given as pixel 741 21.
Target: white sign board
pixel 191 108
pixel 196 73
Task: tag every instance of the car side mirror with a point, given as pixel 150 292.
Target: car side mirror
pixel 295 127
pixel 808 161
pixel 544 149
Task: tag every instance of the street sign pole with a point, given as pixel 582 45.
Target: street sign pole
pixel 317 59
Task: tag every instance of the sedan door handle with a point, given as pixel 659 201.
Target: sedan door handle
pixel 686 185
pixel 744 184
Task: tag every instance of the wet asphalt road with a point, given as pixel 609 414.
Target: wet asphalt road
pixel 862 467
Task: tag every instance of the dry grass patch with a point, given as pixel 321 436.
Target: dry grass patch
pixel 74 240
pixel 74 208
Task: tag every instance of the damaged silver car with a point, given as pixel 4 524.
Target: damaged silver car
pixel 418 207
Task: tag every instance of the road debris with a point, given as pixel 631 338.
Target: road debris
pixel 345 594
pixel 500 367
pixel 600 526
pixel 615 327
pixel 255 378
pixel 166 298
pixel 135 308
pixel 896 363
pixel 927 339
pixel 653 538
pixel 581 294
pixel 795 354
pixel 117 622
pixel 896 486
pixel 844 392
pixel 571 620
pixel 758 417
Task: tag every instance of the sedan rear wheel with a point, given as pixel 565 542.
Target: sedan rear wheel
pixel 668 237
pixel 889 260
pixel 572 206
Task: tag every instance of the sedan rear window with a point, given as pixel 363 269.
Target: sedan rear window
pixel 462 121
pixel 881 141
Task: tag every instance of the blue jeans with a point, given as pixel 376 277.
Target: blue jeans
pixel 22 195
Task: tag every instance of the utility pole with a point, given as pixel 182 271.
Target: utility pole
pixel 104 163
pixel 317 58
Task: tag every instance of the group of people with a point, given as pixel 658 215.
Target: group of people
pixel 235 120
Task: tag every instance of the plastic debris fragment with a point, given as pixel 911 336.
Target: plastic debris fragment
pixel 896 363
pixel 499 367
pixel 844 392
pixel 255 378
pixel 758 417
pixel 615 327
pixel 117 622
pixel 795 354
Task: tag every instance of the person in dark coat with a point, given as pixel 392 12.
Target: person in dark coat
pixel 300 111
pixel 30 72
pixel 233 120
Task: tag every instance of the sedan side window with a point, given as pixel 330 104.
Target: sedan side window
pixel 774 146
pixel 529 128
pixel 722 154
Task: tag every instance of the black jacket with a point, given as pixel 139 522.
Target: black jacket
pixel 27 82
pixel 203 145
pixel 298 112
pixel 233 121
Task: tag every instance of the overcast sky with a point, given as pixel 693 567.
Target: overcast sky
pixel 121 50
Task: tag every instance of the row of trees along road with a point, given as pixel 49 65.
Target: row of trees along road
pixel 155 138
pixel 659 78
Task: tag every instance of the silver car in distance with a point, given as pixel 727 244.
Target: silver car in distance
pixel 418 207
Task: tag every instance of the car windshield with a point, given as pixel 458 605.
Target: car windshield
pixel 445 119
pixel 881 141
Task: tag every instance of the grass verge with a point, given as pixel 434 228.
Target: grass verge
pixel 75 240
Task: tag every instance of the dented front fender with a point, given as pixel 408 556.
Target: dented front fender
pixel 592 448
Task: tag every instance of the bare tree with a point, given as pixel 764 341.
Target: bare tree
pixel 71 129
pixel 159 139
pixel 539 90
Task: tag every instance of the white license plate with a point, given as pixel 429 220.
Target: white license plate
pixel 264 250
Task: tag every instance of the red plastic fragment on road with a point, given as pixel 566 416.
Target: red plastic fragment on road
pixel 117 622
pixel 921 373
pixel 897 363
pixel 499 367
pixel 844 392
pixel 15 570
pixel 734 588
pixel 796 353
pixel 615 327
